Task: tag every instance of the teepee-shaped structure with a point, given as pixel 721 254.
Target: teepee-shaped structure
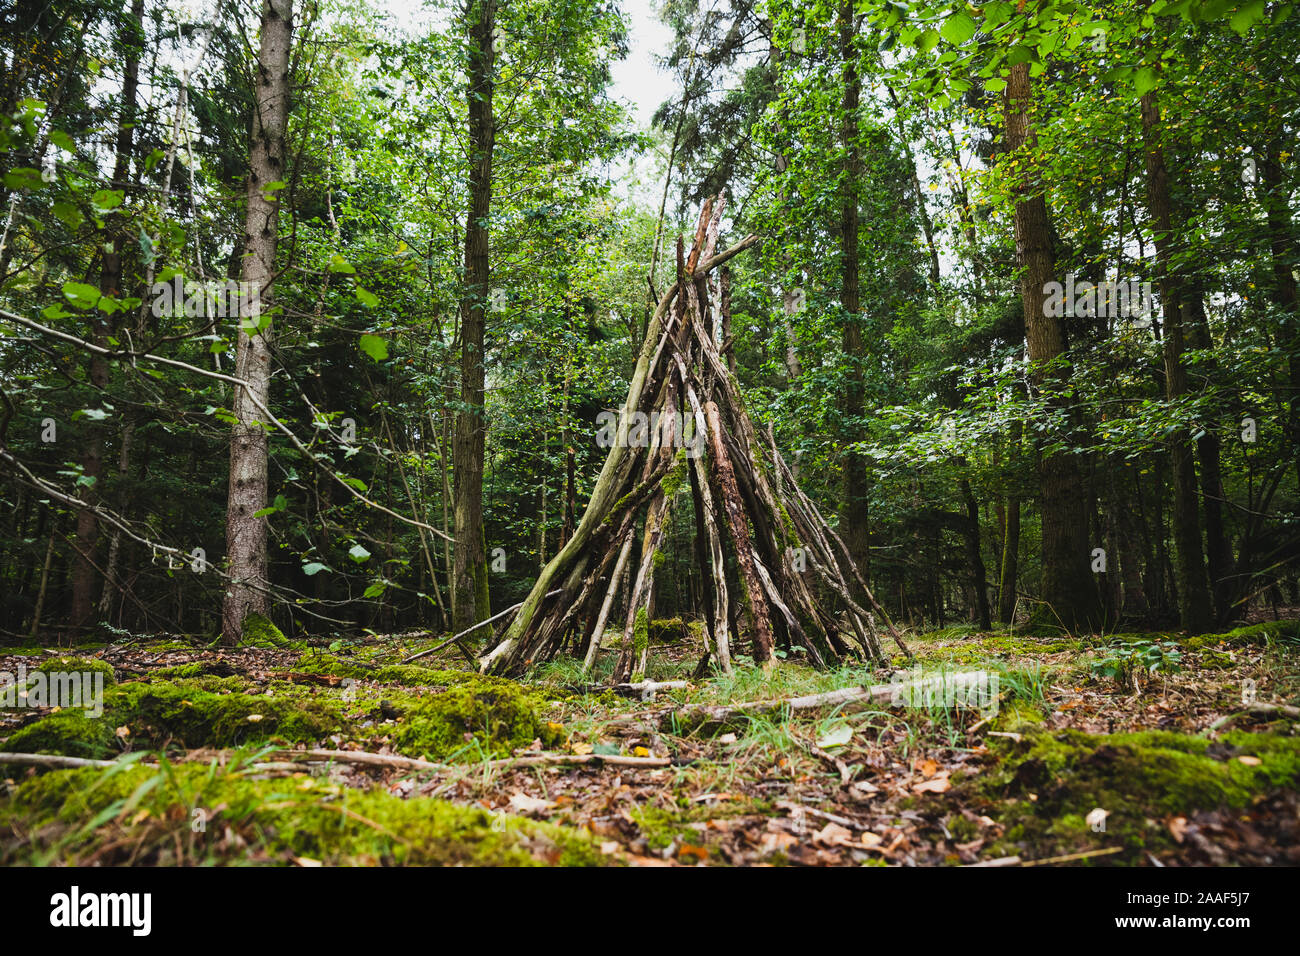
pixel 775 566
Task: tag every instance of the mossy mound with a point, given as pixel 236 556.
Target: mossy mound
pixel 258 631
pixel 407 675
pixel 1054 780
pixel 668 630
pixel 487 715
pixel 179 713
pixel 1251 635
pixel 78 665
pixel 189 814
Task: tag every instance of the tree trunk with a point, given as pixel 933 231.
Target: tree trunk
pixel 1066 587
pixel 854 516
pixel 84 575
pixel 971 535
pixel 246 590
pixel 470 575
pixel 1193 586
pixel 1282 249
pixel 1218 551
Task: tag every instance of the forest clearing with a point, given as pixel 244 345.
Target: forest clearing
pixel 708 433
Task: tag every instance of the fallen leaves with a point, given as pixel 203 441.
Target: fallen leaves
pixel 939 783
pixel 532 806
pixel 837 736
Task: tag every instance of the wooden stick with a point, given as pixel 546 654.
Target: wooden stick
pixel 471 630
pixel 54 761
pixel 527 760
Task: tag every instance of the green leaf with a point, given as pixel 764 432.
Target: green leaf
pixel 23 178
pixel 313 567
pixel 1145 81
pixel 958 28
pixel 367 298
pixel 67 213
pixel 339 264
pixel 81 294
pixel 375 346
pixel 1247 17
pixel 358 554
pixel 106 200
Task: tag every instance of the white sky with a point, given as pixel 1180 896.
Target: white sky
pixel 638 79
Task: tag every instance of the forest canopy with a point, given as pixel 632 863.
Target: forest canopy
pixel 316 312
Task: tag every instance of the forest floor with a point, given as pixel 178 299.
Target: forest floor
pixel 1087 757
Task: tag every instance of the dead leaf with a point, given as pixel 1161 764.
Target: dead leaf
pixel 1178 828
pixel 834 835
pixel 123 731
pixel 939 784
pixel 688 850
pixel 1250 761
pixel 837 736
pixel 522 803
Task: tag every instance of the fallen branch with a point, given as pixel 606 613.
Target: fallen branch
pixel 909 693
pixel 470 630
pixel 528 760
pixel 53 761
pixel 1274 710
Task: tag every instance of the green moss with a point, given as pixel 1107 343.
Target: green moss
pixel 258 631
pixel 490 715
pixel 671 483
pixel 1252 635
pixel 273 822
pixel 1017 717
pixel 68 732
pixel 77 665
pixel 180 671
pixel 1140 778
pixel 666 630
pixel 662 825
pixel 408 675
pixel 181 713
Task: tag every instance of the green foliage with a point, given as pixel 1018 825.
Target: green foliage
pixel 1123 662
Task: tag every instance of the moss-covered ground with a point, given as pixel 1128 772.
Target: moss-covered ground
pixel 1128 749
